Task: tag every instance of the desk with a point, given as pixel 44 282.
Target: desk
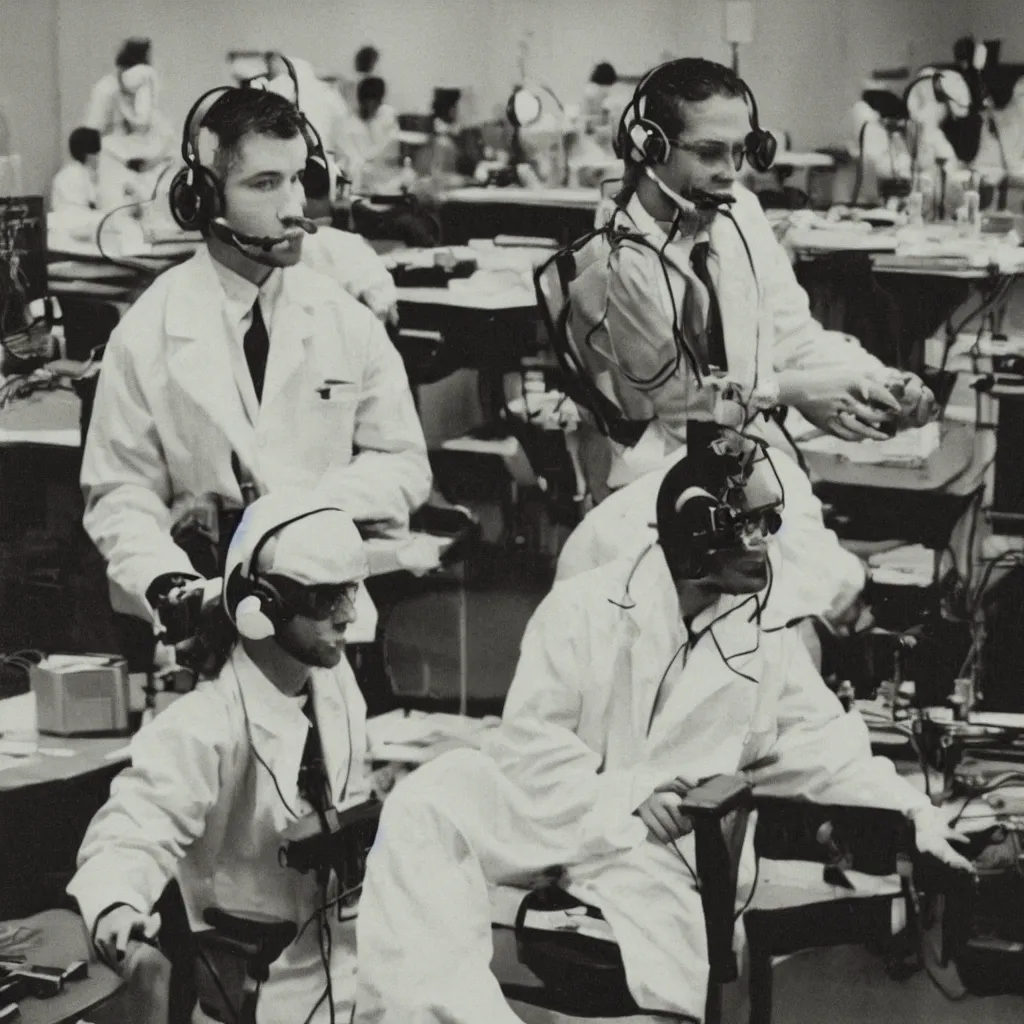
pixel 60 940
pixel 561 214
pixel 46 804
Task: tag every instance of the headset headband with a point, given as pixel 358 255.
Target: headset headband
pixel 251 572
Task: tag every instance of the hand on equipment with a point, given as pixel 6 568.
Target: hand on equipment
pixel 917 403
pixel 661 813
pixel 177 599
pixel 933 835
pixel 118 927
pixel 846 403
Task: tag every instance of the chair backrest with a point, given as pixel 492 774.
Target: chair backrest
pixel 551 283
pixel 865 839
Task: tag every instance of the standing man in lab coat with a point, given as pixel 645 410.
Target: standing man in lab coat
pixel 219 779
pixel 703 281
pixel 635 680
pixel 241 372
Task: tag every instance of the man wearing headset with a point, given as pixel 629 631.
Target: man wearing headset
pixel 700 273
pixel 694 313
pixel 635 680
pixel 217 780
pixel 241 372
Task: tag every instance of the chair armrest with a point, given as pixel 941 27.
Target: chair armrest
pixel 258 939
pixel 454 521
pixel 719 845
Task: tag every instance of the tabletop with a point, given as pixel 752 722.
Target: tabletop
pixel 55 938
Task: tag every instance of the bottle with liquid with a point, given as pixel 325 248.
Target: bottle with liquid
pixel 972 208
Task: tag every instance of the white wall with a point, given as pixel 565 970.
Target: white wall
pixel 806 63
pixel 999 19
pixel 28 88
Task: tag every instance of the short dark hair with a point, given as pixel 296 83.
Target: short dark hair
pixel 690 80
pixel 242 112
pixel 83 142
pixel 132 52
pixel 603 74
pixel 370 89
pixel 366 59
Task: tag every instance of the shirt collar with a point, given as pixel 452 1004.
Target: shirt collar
pixel 265 702
pixel 657 231
pixel 240 294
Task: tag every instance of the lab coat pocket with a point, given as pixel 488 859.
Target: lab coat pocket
pixel 330 425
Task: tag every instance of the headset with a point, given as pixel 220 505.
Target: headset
pixel 641 140
pixel 262 611
pixel 196 193
pixel 694 521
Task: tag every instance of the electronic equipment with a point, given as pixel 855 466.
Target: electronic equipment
pixel 81 694
pixel 983 917
pixel 23 278
pixel 718 795
pixel 1007 386
pixel 340 841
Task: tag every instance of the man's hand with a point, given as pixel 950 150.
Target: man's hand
pixel 845 402
pixel 178 618
pixel 917 403
pixel 116 928
pixel 661 814
pixel 933 835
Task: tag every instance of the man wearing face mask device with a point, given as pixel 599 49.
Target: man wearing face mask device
pixel 696 289
pixel 635 680
pixel 218 781
pixel 241 372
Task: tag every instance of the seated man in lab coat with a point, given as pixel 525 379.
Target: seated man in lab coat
pixel 625 521
pixel 370 137
pixel 75 184
pixel 635 681
pixel 701 282
pixel 218 779
pixel 241 371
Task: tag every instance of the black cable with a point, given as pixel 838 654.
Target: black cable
pixel 125 264
pixel 324 941
pixel 682 856
pixel 753 890
pixel 316 1006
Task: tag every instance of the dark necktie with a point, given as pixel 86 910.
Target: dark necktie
pixel 313 783
pixel 714 337
pixel 257 348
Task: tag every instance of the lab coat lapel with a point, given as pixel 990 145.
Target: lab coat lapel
pixel 337 740
pixel 654 631
pixel 290 335
pixel 199 357
pixel 277 726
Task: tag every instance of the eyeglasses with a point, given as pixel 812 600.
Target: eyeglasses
pixel 319 602
pixel 712 153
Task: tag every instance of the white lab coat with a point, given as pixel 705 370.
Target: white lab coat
pixel 589 730
pixel 197 805
pixel 813 574
pixel 74 187
pixel 350 260
pixel 626 309
pixel 175 400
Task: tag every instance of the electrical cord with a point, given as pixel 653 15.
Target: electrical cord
pixel 753 889
pixel 211 970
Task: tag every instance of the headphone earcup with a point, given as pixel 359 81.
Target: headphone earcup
pixel 761 147
pixel 316 179
pixel 194 203
pixel 649 142
pixel 251 620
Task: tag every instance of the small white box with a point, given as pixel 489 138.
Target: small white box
pixel 81 695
